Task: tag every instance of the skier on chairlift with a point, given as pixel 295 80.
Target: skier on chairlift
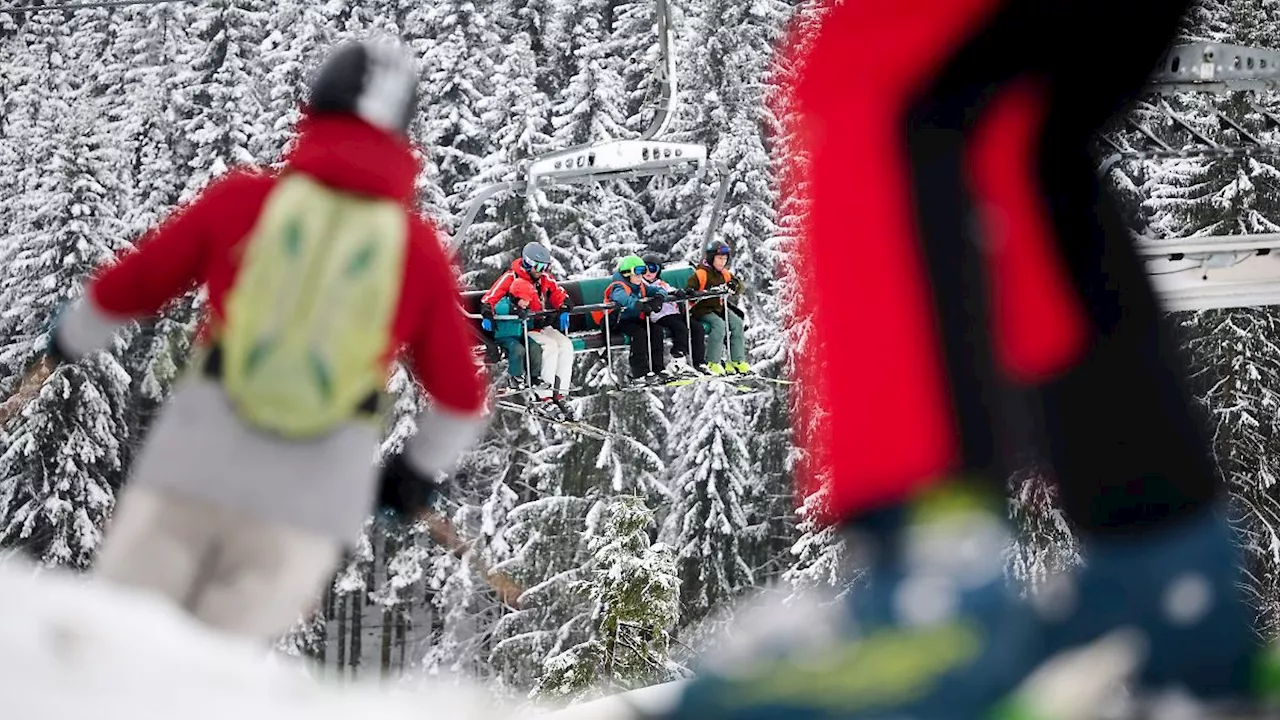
pixel 533 266
pixel 637 300
pixel 688 338
pixel 256 474
pixel 721 317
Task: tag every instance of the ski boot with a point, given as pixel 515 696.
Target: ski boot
pixel 562 405
pixel 932 630
pixel 1178 587
pixel 715 369
pixel 742 368
pixel 679 366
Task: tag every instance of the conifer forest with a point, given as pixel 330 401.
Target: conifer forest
pixel 632 550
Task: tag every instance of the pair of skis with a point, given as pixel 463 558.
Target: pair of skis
pixel 541 411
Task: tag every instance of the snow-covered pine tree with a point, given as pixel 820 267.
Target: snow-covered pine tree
pixel 517 118
pixel 546 538
pixel 1044 544
pixel 63 457
pixel 220 113
pixel 634 594
pixel 457 42
pixel 710 482
pixel 1237 373
pixel 298 37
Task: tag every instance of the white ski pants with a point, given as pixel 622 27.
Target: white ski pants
pixel 557 357
pixel 230 571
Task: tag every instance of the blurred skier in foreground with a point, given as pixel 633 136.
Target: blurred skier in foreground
pixel 1009 313
pixel 259 471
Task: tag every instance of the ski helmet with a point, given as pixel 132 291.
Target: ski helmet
pixel 629 263
pixel 535 257
pixel 374 80
pixel 714 248
pixel 653 260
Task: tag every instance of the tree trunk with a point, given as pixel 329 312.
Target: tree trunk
pixel 27 390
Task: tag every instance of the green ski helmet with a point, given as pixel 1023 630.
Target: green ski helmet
pixel 628 264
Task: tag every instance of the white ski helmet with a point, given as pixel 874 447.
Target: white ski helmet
pixel 374 80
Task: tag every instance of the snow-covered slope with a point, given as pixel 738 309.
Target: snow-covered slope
pixel 73 649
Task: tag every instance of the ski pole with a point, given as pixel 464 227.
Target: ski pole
pixel 648 341
pixel 528 361
pixel 728 331
pixel 608 345
pixel 688 336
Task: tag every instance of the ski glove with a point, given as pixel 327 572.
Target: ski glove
pixel 486 315
pixel 654 304
pixel 403 492
pixel 564 322
pixel 54 350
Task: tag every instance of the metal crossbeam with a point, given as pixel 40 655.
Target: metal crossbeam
pixel 598 160
pixel 1216 271
pixel 1216 68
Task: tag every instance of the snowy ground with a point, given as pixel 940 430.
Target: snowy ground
pixel 71 649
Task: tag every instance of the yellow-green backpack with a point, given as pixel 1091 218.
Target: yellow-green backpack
pixel 308 321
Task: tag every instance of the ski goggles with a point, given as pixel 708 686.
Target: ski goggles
pixel 535 266
pixel 721 249
pixel 652 268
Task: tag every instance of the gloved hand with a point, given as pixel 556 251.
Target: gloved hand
pixel 522 313
pixel 53 349
pixel 564 322
pixel 679 293
pixel 403 492
pixel 735 285
pixel 486 317
pixel 567 305
pixel 654 304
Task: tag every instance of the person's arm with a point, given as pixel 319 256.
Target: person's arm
pixel 167 262
pixel 559 296
pixel 498 290
pixel 622 298
pixel 442 361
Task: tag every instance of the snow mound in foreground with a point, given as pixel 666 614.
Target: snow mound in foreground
pixel 71 648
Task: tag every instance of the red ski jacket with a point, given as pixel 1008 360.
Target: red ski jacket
pixel 200 244
pixel 550 292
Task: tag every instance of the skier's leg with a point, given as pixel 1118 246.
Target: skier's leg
pixel 737 339
pixel 637 354
pixel 674 324
pixel 1132 461
pixel 697 340
pixel 548 356
pixel 564 358
pixel 653 336
pixel 912 428
pixel 714 345
pixel 157 543
pixel 264 577
pixel 514 348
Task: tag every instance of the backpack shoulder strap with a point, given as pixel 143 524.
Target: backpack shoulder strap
pixel 702 278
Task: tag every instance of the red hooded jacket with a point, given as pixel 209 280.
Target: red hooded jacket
pixel 200 244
